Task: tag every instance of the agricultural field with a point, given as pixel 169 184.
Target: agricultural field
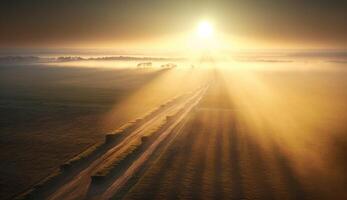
pixel 230 133
pixel 50 113
pixel 225 153
pixel 166 100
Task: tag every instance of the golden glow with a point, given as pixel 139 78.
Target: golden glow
pixel 201 40
pixel 205 30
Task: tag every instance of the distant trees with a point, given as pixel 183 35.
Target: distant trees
pixel 13 59
pixel 169 65
pixel 144 65
pixel 69 58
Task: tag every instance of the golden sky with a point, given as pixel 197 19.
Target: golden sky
pixel 151 24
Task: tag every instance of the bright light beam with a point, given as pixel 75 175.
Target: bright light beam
pixel 205 30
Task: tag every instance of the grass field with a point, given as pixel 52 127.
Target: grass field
pixel 268 131
pixel 49 113
pixel 234 146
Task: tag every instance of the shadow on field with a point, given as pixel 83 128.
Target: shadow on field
pixel 294 188
pixel 68 108
pixel 218 155
pixel 236 174
pixel 229 153
pixel 186 149
pixel 176 159
pixel 198 173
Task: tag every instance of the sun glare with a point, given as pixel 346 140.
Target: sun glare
pixel 203 40
pixel 205 30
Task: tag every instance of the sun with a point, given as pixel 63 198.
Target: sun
pixel 205 30
pixel 204 38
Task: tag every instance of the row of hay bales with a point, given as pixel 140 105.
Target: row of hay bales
pixel 109 173
pixel 116 136
pixel 130 126
pixel 123 130
pixel 95 150
pixel 91 153
pixel 121 161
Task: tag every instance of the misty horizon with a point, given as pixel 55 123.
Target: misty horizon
pixel 164 99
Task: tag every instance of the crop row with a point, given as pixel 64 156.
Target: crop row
pixel 91 153
pixel 123 160
pixel 110 172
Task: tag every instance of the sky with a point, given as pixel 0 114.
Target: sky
pixel 150 24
